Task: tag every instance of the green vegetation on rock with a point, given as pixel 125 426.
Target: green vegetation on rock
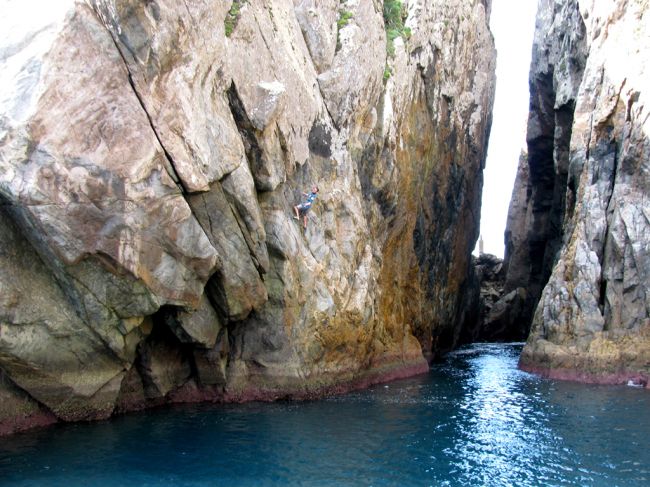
pixel 388 72
pixel 230 22
pixel 344 19
pixel 394 16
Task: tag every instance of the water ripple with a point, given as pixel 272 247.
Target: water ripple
pixel 473 420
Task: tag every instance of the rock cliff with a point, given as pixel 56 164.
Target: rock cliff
pixel 151 154
pixel 577 239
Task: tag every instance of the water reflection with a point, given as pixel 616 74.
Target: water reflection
pixel 498 426
pixel 516 429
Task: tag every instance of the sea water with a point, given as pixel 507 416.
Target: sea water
pixel 474 419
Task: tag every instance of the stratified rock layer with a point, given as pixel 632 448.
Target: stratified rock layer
pixel 587 209
pixel 150 158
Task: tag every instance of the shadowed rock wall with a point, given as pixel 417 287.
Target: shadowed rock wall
pixel 151 154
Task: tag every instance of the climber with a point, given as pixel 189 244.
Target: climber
pixel 303 208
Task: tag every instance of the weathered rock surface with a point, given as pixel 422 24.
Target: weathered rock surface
pixel 587 208
pixel 149 164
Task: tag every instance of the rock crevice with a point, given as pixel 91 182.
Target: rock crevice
pixel 169 162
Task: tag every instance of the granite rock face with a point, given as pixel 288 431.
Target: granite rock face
pixel 586 218
pixel 150 157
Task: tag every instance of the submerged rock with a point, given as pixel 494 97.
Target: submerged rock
pixel 150 159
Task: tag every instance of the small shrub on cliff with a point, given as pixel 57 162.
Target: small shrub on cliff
pixel 387 73
pixel 394 16
pixel 232 17
pixel 344 19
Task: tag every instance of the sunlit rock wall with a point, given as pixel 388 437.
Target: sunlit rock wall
pixel 587 210
pixel 150 157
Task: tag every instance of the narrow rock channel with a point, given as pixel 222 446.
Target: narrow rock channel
pixel 152 154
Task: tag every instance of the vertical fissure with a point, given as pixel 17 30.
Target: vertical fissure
pixel 169 160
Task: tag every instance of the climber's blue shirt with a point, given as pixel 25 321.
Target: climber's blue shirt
pixel 304 207
pixel 310 199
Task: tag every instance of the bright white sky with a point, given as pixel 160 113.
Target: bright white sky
pixel 512 23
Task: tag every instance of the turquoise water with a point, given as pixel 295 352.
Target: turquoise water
pixel 473 420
